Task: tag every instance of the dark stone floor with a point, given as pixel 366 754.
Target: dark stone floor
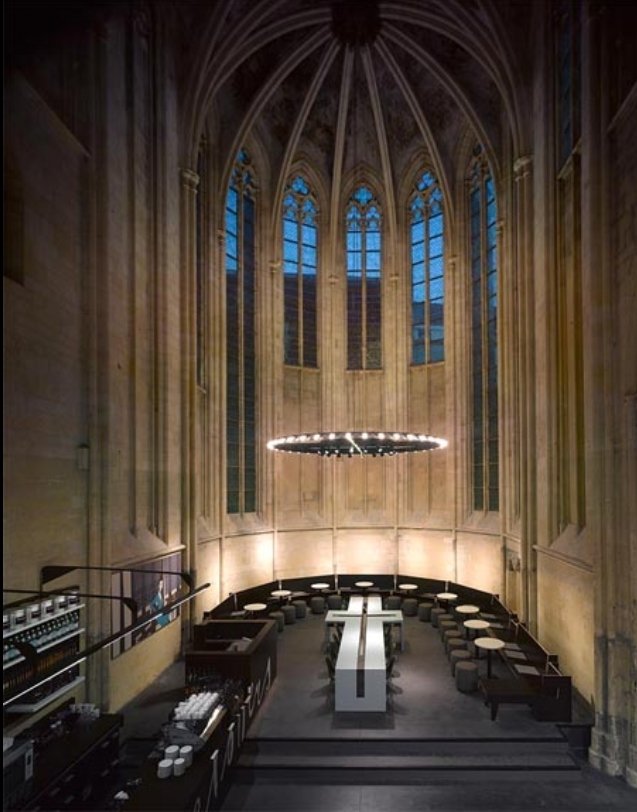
pixel 426 708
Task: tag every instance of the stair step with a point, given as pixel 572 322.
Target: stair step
pixel 339 748
pixel 401 762
pixel 407 776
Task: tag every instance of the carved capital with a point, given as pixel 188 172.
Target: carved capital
pixel 189 179
pixel 522 166
pixel 275 266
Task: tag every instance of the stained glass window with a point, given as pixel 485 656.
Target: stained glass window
pixel 568 77
pixel 484 335
pixel 427 271
pixel 240 339
pixel 300 260
pixel 363 251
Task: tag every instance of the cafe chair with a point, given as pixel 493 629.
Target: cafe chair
pixel 458 655
pixel 410 607
pixel 389 668
pixel 280 619
pixel 289 613
pixel 466 676
pixel 317 604
pixel 300 607
pixel 334 602
pixel 436 612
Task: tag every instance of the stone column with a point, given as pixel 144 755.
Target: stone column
pixel 608 244
pixel 523 173
pixel 188 239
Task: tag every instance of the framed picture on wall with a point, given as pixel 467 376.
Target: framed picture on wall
pixel 152 585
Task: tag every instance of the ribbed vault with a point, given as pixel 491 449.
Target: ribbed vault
pixel 345 83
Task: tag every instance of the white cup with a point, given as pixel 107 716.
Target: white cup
pixel 179 766
pixel 165 768
pixel 171 752
pixel 185 752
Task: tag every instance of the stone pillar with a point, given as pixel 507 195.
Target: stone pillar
pixel 188 238
pixel 523 173
pixel 608 243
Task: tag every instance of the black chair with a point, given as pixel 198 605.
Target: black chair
pixel 331 668
pixel 389 667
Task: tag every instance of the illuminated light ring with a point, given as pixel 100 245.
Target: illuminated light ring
pixel 357 443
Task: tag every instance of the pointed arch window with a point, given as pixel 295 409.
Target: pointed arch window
pixel 427 271
pixel 484 335
pixel 568 18
pixel 364 260
pixel 300 261
pixel 569 394
pixel 240 216
pixel 200 264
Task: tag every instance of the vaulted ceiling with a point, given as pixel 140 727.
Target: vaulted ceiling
pixel 349 83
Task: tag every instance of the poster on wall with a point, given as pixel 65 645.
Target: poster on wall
pixel 152 585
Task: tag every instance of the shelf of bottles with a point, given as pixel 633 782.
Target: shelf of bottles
pixel 38 638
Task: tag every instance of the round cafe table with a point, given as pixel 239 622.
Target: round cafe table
pixel 446 597
pixel 364 584
pixel 254 607
pixel 282 593
pixel 407 587
pixel 475 623
pixel 467 609
pixel 489 644
pixel 320 586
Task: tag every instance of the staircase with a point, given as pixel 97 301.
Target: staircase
pixel 402 761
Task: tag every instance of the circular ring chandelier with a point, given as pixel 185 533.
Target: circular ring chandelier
pixel 352 443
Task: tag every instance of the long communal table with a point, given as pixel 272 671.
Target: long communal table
pixel 394 617
pixel 360 674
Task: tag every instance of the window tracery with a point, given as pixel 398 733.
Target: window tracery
pixel 363 221
pixel 427 271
